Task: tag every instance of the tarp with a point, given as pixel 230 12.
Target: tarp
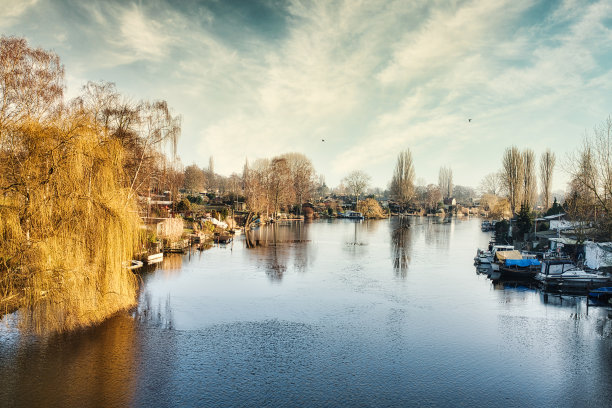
pixel 522 262
pixel 503 255
pixel 598 255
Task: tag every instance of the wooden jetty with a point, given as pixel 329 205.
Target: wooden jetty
pixel 177 246
pixel 155 258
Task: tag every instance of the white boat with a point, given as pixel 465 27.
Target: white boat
pixel 483 257
pixel 353 215
pixel 563 273
pixel 487 257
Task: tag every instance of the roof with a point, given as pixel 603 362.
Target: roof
pixel 564 241
pixel 552 217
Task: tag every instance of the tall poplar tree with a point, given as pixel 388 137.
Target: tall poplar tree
pixel 547 166
pixel 402 183
pixel 512 176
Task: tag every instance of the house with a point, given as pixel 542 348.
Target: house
pixel 449 203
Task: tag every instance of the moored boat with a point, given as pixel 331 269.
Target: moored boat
pixel 519 269
pixel 487 257
pixel 602 295
pixel 353 215
pixel 559 274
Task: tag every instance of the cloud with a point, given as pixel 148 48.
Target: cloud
pixel 370 77
pixel 450 33
pixel 12 10
pixel 460 65
pixel 143 35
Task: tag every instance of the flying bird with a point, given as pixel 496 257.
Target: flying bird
pixel 469 120
pixel 322 140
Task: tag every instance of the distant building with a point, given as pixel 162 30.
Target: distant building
pixel 449 203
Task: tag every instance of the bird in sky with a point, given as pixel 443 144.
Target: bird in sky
pixel 322 140
pixel 469 120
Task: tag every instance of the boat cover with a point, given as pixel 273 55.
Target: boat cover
pixel 522 262
pixel 503 255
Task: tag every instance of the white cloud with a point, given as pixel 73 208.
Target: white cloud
pixel 12 10
pixel 370 77
pixel 457 66
pixel 146 37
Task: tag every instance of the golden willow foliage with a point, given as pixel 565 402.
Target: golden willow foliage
pixel 69 178
pixel 66 226
pixel 370 208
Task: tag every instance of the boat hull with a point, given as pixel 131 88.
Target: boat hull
pixel 574 282
pixel 517 273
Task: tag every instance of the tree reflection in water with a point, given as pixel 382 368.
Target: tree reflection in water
pixel 288 241
pixel 401 235
pixel 89 366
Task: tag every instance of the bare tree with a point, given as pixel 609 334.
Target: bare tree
pixel 357 183
pixel 432 197
pixel 512 176
pixel 210 174
pixel 591 171
pixel 235 185
pixel 281 189
pixel 529 179
pixel 302 175
pixel 146 130
pixel 402 183
pixel 211 165
pixel 445 181
pixel 491 184
pixel 257 181
pixel 31 83
pixel 464 194
pixel 194 178
pixel 547 166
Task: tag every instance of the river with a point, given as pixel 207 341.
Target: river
pixel 329 313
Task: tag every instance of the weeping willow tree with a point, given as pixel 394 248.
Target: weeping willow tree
pixel 68 190
pixel 66 227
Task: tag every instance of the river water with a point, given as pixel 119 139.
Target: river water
pixel 330 313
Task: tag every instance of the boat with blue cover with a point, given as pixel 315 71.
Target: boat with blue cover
pixel 519 269
pixel 601 295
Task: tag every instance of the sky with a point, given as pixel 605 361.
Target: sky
pixel 253 79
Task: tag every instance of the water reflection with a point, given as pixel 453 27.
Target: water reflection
pixel 401 235
pixel 172 265
pixel 155 315
pixel 437 231
pixel 355 244
pixel 279 243
pixel 279 233
pixel 77 369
